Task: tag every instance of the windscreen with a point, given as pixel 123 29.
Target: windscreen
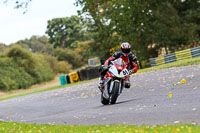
pixel 119 62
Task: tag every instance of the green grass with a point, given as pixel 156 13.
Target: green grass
pixel 186 62
pixel 8 127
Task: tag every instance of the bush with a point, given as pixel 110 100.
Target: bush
pixel 21 69
pixel 64 67
pixel 22 57
pixel 7 84
pixel 52 61
pixel 70 56
pixel 12 76
pixel 42 72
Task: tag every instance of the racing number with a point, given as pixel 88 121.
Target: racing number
pixel 125 72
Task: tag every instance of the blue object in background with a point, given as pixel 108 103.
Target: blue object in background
pixel 195 52
pixel 152 61
pixel 63 80
pixel 170 58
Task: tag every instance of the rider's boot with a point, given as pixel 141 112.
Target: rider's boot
pixel 127 84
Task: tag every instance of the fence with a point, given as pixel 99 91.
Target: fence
pixel 179 55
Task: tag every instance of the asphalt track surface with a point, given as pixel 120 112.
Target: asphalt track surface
pixel 146 102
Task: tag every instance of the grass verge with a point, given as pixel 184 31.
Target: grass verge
pixel 7 127
pixel 186 62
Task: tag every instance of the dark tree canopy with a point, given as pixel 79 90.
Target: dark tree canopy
pixel 66 32
pixel 148 25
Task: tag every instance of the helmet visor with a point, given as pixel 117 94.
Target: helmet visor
pixel 126 51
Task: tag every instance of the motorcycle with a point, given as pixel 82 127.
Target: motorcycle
pixel 114 81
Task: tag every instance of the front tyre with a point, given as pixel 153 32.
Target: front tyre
pixel 115 93
pixel 103 100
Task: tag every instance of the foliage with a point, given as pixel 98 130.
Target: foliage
pixel 171 32
pixel 20 68
pixel 64 67
pixel 64 54
pixel 13 76
pixel 52 61
pixel 7 127
pixel 22 57
pixel 147 25
pixel 36 44
pixel 66 32
pixel 20 4
pixel 84 49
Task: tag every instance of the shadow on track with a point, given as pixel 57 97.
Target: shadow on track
pixel 126 101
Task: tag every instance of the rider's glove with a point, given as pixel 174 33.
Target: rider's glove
pixel 105 66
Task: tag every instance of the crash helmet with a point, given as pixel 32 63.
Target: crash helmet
pixel 125 48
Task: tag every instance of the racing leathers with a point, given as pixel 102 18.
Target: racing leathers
pixel 129 59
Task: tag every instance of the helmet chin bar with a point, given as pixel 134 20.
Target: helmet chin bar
pixel 124 54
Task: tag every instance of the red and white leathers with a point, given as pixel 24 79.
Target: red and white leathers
pixel 129 59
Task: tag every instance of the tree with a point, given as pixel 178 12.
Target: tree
pixel 148 25
pixel 189 10
pixel 36 44
pixel 117 21
pixel 66 32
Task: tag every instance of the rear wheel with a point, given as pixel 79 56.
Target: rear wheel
pixel 103 100
pixel 115 93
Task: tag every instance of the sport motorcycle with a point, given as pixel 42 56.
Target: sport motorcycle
pixel 114 81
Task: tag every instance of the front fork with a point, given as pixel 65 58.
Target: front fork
pixel 109 86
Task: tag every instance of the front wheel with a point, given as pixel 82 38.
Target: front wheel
pixel 103 100
pixel 115 93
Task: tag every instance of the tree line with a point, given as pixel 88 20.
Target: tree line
pixel 149 26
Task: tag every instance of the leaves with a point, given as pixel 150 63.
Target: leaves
pixel 183 81
pixel 66 32
pixel 148 25
pixel 15 72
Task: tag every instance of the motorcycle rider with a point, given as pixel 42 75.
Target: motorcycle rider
pixel 128 57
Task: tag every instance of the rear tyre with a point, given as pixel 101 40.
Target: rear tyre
pixel 115 93
pixel 103 100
